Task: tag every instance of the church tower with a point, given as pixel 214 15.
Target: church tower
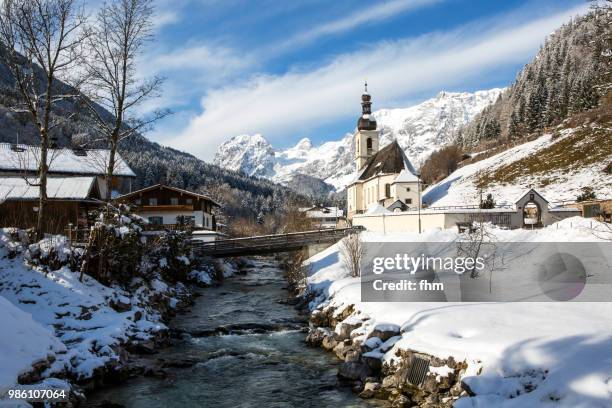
pixel 366 138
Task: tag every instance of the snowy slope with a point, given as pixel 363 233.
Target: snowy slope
pixel 36 343
pixel 419 130
pixel 54 313
pixel 506 345
pixel 558 166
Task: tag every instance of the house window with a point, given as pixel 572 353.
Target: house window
pixel 173 201
pixel 409 201
pixel 387 190
pixel 138 201
pixel 156 220
pixel 152 201
pixel 189 201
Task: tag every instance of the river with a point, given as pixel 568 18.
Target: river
pixel 267 364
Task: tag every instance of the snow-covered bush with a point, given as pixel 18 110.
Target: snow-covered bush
pixel 170 253
pixel 115 245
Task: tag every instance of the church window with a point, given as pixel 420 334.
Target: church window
pixel 387 190
pixel 409 201
pixel 408 189
pixel 369 142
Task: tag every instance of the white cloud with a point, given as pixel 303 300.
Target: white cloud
pixel 365 15
pixel 282 105
pixel 207 58
pixel 190 69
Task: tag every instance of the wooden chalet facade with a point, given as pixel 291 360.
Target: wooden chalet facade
pixel 75 185
pixel 69 201
pixel 170 206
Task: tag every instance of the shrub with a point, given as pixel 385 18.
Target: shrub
pixel 586 195
pixel 488 202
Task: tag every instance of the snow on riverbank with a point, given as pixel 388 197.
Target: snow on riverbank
pixel 519 354
pixel 83 326
pixel 36 343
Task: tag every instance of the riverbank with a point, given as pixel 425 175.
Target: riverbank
pixel 240 343
pixel 64 333
pixel 464 354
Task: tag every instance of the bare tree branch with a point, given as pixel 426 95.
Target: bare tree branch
pixel 41 40
pixel 117 37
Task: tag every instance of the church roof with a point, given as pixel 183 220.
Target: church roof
pixel 389 160
pixel 366 121
pixel 406 176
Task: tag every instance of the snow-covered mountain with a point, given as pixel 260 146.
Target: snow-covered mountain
pixel 419 129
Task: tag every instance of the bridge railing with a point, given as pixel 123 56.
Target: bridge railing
pixel 271 242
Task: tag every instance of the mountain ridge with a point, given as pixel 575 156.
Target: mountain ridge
pixel 420 129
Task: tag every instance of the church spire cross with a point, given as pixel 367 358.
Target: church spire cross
pixel 366 86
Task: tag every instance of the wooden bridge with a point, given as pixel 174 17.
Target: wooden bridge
pixel 267 244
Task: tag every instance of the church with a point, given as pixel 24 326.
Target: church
pixel 385 177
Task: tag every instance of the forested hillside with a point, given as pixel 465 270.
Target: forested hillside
pixel 569 75
pixel 241 195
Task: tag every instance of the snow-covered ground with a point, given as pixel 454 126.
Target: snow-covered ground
pixel 519 354
pixel 460 187
pixel 23 342
pixel 81 326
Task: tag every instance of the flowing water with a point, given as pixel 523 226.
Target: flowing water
pixel 267 364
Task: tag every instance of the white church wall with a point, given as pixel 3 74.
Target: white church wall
pixel 406 192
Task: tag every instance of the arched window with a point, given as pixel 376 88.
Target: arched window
pixel 387 190
pixel 369 143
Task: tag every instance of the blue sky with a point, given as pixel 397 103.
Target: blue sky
pixel 293 69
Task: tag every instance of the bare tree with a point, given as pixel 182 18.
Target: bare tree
pixel 480 241
pixel 352 250
pixel 117 38
pixel 42 41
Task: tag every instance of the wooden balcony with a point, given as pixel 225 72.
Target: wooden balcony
pixel 165 208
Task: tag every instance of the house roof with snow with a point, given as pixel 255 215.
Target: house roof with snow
pixel 20 158
pixel 528 191
pixel 135 194
pixel 58 188
pixel 389 160
pixel 322 212
pixel 397 204
pixel 377 209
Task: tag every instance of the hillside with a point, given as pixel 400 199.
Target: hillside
pixel 550 130
pixel 570 74
pixel 152 162
pixel 419 129
pixel 558 164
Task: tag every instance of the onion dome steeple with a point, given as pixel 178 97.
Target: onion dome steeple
pixel 366 121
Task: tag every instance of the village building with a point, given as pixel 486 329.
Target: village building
pixel 530 210
pixel 75 185
pixel 171 207
pixel 22 161
pixel 324 217
pixel 385 177
pixel 69 201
